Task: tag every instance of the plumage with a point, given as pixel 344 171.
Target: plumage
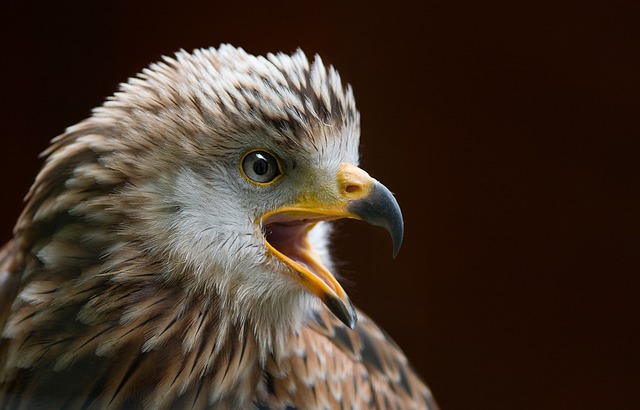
pixel 173 250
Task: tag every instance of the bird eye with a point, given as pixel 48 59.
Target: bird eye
pixel 260 167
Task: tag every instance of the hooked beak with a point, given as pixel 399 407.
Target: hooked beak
pixel 359 197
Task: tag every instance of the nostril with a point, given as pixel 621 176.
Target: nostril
pixel 352 182
pixel 352 188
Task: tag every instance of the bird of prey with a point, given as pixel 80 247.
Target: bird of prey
pixel 173 250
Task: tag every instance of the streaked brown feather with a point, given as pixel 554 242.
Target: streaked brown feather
pixel 331 366
pixel 142 343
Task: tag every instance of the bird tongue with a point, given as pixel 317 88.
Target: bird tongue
pixel 289 237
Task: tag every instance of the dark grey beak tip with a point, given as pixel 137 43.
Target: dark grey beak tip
pixel 346 313
pixel 380 208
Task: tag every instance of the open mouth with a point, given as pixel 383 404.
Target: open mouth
pixel 286 236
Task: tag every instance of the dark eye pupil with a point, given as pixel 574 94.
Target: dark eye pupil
pixel 261 166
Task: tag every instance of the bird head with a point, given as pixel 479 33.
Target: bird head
pixel 230 168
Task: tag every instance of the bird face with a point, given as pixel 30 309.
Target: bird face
pixel 254 158
pixel 277 203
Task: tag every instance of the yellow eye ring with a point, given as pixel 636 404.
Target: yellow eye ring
pixel 260 167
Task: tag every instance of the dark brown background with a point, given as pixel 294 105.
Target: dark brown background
pixel 506 130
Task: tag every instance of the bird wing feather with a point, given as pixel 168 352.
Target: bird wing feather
pixel 9 280
pixel 333 366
